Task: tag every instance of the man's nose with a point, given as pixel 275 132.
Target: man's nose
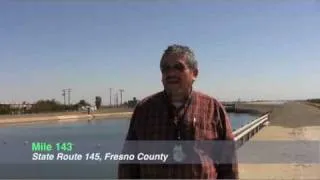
pixel 171 72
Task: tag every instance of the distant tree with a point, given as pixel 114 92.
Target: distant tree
pixel 135 101
pixel 47 106
pixel 82 102
pixel 5 109
pixel 132 103
pixel 126 104
pixel 98 102
pixel 314 100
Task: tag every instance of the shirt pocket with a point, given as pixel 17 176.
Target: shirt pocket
pixel 155 128
pixel 205 129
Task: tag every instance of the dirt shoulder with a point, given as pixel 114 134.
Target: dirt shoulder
pixel 295 114
pixel 317 105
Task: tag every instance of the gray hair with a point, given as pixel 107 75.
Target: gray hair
pixel 181 50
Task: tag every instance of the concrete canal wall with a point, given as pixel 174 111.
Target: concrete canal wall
pixel 257 109
pixel 62 118
pixel 253 108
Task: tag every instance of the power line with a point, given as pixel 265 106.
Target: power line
pixel 64 95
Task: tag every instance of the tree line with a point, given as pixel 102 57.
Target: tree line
pixel 46 106
pixel 314 100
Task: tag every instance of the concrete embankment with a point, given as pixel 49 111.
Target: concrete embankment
pixel 63 118
pixel 255 108
pixel 292 122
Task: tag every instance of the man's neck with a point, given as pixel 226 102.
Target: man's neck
pixel 179 98
pixel 177 104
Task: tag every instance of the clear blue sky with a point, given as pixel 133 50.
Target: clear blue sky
pixel 246 49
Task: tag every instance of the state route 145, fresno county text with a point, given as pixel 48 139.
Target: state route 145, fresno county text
pixel 98 157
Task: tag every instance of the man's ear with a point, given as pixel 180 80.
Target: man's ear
pixel 195 74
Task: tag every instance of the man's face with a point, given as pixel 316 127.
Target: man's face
pixel 177 77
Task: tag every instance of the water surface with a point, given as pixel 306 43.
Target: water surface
pixel 114 129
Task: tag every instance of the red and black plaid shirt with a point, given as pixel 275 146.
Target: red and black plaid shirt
pixel 151 120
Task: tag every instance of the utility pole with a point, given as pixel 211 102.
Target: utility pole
pixel 64 96
pixel 121 91
pixel 110 92
pixel 69 93
pixel 116 100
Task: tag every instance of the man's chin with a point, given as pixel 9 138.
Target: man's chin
pixel 173 89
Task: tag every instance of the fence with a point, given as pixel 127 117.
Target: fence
pixel 244 133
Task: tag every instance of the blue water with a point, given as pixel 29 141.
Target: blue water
pixel 100 129
pixel 110 128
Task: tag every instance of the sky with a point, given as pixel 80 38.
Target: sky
pixel 245 49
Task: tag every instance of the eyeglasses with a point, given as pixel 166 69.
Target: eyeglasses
pixel 178 67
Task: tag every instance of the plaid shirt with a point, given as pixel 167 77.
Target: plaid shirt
pixel 152 119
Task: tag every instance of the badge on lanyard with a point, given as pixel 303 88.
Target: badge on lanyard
pixel 178 154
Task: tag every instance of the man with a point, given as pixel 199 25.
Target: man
pixel 180 113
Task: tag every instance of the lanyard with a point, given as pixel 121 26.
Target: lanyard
pixel 176 117
pixel 179 119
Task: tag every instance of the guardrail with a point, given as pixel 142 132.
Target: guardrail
pixel 244 133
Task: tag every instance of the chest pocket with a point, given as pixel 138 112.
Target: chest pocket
pixel 155 127
pixel 205 128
